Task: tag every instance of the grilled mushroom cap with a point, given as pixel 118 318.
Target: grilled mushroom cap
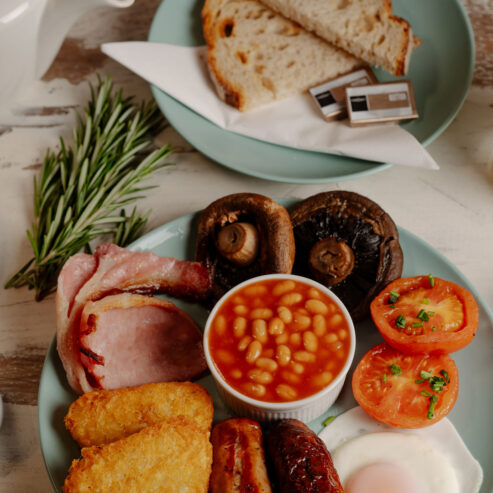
pixel 349 243
pixel 241 236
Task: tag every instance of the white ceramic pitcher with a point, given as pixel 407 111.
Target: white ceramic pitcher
pixel 31 33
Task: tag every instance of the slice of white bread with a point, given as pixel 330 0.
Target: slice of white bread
pixel 365 28
pixel 256 56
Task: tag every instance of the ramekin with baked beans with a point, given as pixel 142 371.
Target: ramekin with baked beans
pixel 279 346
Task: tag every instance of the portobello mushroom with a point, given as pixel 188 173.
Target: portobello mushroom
pixel 241 236
pixel 348 243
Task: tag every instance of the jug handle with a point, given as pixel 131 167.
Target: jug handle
pixel 55 32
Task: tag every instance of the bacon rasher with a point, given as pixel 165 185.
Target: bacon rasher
pixel 111 270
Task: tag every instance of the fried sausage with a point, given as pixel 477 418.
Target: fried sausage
pixel 238 458
pixel 301 460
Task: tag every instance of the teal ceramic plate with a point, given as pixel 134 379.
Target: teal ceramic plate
pixel 441 71
pixel 471 415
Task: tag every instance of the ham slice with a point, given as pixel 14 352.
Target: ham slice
pixel 129 339
pixel 113 270
pixel 75 273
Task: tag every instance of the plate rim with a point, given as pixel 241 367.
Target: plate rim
pixel 470 73
pixel 373 167
pixel 287 202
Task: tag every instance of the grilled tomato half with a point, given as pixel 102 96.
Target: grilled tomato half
pixel 425 314
pixel 405 390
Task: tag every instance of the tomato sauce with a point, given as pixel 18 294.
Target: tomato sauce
pixel 279 340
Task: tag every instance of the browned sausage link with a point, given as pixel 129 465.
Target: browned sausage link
pixel 238 458
pixel 301 460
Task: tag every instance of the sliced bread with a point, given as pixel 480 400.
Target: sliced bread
pixel 365 28
pixel 256 56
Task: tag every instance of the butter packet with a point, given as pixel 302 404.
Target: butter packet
pixel 330 97
pixel 385 102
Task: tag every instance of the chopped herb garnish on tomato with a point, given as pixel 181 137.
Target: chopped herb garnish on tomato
pixel 392 306
pixel 384 378
pixel 431 409
pixel 437 384
pixel 400 322
pixel 379 400
pixel 445 305
pixel 431 280
pixel 426 375
pixel 433 328
pixel 394 296
pixel 445 375
pixel 420 380
pixel 417 324
pixel 422 315
pixel 395 369
pixel 327 421
pixel 426 393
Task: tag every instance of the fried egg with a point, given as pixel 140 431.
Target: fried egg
pixel 371 457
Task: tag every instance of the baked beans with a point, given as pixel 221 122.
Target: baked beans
pixel 301 321
pixel 286 392
pixel 255 290
pixel 244 343
pixel 240 309
pixel 282 339
pixel 253 351
pixel 259 330
pixel 285 314
pixel 279 341
pixel 283 355
pixel 239 326
pixel 317 307
pixel 267 364
pixel 283 287
pixel 291 299
pixel 276 326
pixel 261 313
pixel 319 325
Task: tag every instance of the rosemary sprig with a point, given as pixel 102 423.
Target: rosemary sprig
pixel 80 190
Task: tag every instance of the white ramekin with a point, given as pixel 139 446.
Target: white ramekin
pixel 305 409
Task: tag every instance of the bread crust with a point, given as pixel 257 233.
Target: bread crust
pixel 401 64
pixel 397 66
pixel 227 92
pixel 256 56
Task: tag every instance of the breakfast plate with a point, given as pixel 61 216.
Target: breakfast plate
pixel 441 72
pixel 471 414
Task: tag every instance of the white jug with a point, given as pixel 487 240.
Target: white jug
pixel 31 33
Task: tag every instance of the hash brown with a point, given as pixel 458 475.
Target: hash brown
pixel 103 416
pixel 173 456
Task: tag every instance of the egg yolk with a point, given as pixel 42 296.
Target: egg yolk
pixel 382 478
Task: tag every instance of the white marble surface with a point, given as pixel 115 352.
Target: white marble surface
pixel 451 209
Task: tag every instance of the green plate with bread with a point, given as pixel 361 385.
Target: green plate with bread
pixel 441 71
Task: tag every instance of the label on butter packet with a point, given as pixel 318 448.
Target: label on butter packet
pixel 389 101
pixel 330 97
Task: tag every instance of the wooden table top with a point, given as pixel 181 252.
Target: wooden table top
pixel 452 210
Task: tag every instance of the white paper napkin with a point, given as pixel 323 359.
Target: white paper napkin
pixel 182 73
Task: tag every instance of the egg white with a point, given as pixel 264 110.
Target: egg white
pixel 435 454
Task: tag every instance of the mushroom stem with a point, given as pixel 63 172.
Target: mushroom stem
pixel 238 242
pixel 330 261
